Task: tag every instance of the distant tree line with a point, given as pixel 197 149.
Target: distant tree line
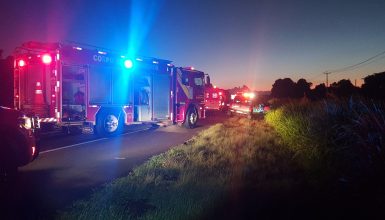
pixel 373 88
pixel 239 89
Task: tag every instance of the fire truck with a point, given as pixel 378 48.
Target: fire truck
pixel 215 98
pixel 100 90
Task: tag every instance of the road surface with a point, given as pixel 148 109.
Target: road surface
pixel 71 167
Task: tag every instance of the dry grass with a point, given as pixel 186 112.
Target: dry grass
pixel 193 180
pixel 311 160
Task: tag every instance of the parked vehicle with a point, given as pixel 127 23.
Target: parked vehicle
pixel 19 142
pixel 100 90
pixel 247 104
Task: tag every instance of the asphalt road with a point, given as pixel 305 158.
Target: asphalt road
pixel 70 167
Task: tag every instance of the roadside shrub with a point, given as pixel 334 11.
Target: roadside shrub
pixel 344 139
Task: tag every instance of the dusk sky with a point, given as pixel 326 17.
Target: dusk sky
pixel 237 42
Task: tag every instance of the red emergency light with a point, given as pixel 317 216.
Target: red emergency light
pixel 46 58
pixel 249 95
pixel 190 68
pixel 21 63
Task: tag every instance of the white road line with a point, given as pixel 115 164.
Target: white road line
pixel 73 145
pixel 87 142
pixel 119 158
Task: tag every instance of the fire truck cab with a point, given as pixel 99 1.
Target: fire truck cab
pixel 101 90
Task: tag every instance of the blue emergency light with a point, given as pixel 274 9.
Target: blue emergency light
pixel 128 64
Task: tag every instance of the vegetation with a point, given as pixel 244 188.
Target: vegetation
pixel 310 160
pixel 340 144
pixel 197 179
pixel 286 88
pixel 373 88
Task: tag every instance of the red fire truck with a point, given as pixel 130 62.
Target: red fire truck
pixel 214 98
pixel 70 85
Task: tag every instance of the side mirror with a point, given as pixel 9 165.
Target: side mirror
pixel 208 81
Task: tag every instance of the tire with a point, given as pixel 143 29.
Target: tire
pixel 108 124
pixel 191 118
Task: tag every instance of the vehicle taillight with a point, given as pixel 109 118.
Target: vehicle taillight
pixel 46 58
pixel 21 63
pixel 33 150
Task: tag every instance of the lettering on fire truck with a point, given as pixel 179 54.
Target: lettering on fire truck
pixel 102 59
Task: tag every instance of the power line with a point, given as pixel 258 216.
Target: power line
pixel 372 61
pixel 352 67
pixel 316 76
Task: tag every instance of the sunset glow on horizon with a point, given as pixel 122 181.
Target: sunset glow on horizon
pixel 248 42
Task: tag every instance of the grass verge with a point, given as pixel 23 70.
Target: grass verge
pixel 321 160
pixel 198 179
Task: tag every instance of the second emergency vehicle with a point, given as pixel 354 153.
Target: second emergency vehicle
pixel 215 98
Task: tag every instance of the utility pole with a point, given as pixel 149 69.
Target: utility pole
pixel 327 78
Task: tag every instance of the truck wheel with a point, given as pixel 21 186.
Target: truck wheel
pixel 108 124
pixel 191 118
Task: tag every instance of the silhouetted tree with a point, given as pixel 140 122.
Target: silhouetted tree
pixel 319 92
pixel 239 89
pixel 283 88
pixel 374 86
pixel 245 88
pixel 302 88
pixel 343 88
